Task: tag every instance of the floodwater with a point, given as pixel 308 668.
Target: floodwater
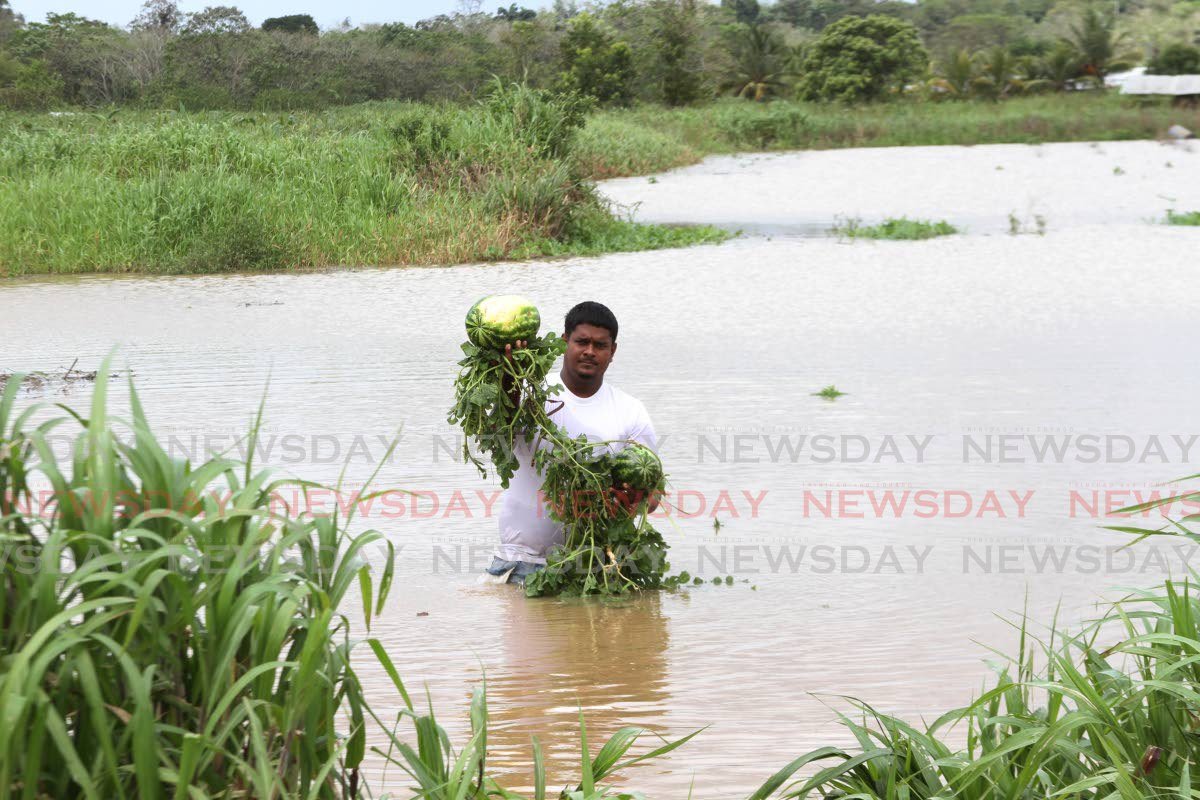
pixel 1000 390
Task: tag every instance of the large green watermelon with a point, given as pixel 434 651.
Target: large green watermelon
pixel 500 319
pixel 638 466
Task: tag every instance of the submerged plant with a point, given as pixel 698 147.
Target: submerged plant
pixel 830 392
pixel 1183 218
pixel 895 229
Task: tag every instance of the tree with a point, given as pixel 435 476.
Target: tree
pixel 292 23
pixel 955 75
pixel 997 74
pixel 745 12
pixel 158 16
pixel 216 20
pixel 760 62
pixel 1175 59
pixel 515 13
pixel 975 32
pixel 1097 43
pixel 1059 69
pixel 10 21
pixel 862 58
pixel 674 35
pixel 527 48
pixel 594 64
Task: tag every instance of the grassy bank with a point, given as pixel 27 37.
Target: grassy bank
pixel 398 183
pixel 371 184
pixel 642 140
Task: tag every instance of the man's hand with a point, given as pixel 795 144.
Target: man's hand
pixel 506 381
pixel 629 498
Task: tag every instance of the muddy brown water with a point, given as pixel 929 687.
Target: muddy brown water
pixel 878 549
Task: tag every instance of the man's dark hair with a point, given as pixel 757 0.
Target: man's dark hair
pixel 589 312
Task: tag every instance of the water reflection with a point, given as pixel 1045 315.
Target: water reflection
pixel 607 658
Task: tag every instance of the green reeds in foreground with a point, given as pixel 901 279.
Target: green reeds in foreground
pixel 1183 218
pixel 173 630
pixel 1112 712
pixel 169 631
pixel 902 228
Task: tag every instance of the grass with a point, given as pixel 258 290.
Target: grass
pixel 402 183
pixel 380 183
pixel 1072 715
pixel 896 229
pixel 169 630
pixel 649 139
pixel 1183 218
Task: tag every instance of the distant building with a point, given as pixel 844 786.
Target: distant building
pixel 1185 89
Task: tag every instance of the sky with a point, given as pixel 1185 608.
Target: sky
pixel 327 14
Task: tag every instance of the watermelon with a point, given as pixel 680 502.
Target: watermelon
pixel 638 466
pixel 500 319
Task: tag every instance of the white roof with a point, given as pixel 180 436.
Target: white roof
pixel 1161 84
pixel 1121 78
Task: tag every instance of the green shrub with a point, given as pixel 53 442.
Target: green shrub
pixel 1175 59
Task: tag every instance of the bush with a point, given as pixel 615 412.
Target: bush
pixel 1175 59
pixel 862 58
pixel 594 64
pixel 31 86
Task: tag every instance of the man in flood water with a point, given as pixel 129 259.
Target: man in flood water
pixel 584 405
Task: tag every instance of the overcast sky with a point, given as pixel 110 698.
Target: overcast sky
pixel 327 14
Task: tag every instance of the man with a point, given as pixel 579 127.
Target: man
pixel 584 405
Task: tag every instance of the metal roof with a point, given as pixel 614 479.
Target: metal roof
pixel 1161 84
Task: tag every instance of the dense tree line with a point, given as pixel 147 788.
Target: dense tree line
pixel 674 52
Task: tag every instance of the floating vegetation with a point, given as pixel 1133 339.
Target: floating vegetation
pixel 894 229
pixel 39 381
pixel 830 392
pixel 1191 218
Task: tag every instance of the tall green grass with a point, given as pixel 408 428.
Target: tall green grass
pixel 166 631
pixel 173 630
pixel 649 139
pixel 1108 711
pixel 381 183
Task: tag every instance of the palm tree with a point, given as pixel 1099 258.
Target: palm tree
pixel 760 62
pixel 1097 43
pixel 997 74
pixel 955 76
pixel 1058 69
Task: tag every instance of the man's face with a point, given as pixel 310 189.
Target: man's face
pixel 589 351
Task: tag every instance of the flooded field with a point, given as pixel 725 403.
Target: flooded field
pixel 1002 392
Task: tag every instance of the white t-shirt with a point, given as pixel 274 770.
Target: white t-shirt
pixel 526 530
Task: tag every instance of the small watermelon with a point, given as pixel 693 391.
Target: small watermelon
pixel 638 466
pixel 500 319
